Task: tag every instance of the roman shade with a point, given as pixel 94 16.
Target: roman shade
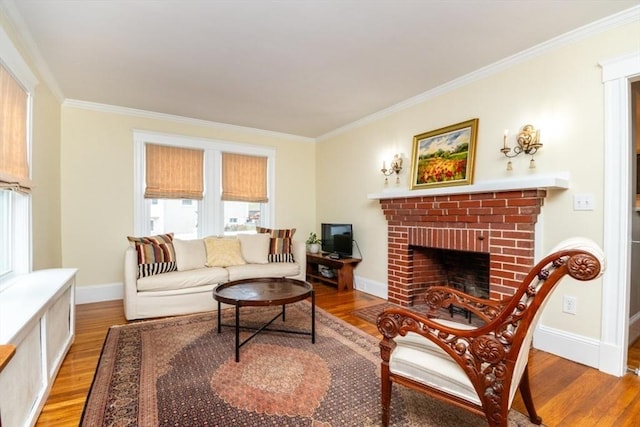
pixel 173 172
pixel 244 178
pixel 14 166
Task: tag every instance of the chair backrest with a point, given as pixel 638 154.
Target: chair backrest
pixel 579 258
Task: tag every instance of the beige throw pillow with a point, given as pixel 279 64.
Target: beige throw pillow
pixel 255 247
pixel 190 254
pixel 223 252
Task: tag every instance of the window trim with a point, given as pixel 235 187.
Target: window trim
pixel 21 210
pixel 211 206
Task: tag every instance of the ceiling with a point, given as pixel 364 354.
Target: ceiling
pixel 302 67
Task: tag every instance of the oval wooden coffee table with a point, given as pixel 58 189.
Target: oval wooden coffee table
pixel 264 292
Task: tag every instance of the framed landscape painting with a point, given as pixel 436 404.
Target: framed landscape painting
pixel 445 156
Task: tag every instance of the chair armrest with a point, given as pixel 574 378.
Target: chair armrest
pixel 437 297
pixel 399 320
pixel 453 340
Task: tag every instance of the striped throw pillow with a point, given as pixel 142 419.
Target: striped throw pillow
pixel 156 254
pixel 281 245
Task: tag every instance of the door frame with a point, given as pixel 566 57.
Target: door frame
pixel 617 75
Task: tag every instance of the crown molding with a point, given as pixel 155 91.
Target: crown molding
pixel 106 108
pixel 622 18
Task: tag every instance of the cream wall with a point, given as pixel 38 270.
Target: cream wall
pixel 46 225
pixel 45 165
pixel 559 91
pixel 97 184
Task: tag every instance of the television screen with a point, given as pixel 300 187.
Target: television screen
pixel 338 239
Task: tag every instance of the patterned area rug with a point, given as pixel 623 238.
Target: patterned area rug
pixel 181 372
pixel 370 314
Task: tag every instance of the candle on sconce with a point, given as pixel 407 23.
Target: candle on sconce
pixel 504 139
pixel 384 164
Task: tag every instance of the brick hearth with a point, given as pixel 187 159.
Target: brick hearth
pixel 498 223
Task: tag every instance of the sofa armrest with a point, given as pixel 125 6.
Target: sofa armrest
pixel 130 281
pixel 300 257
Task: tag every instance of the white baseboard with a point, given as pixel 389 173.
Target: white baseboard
pixel 370 286
pixel 98 293
pixel 567 345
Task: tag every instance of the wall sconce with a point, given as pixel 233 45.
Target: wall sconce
pixel 528 142
pixel 396 167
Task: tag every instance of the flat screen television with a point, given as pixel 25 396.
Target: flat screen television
pixel 337 239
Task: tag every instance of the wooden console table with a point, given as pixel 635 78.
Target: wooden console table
pixel 343 266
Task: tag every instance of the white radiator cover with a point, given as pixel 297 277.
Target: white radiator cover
pixel 37 316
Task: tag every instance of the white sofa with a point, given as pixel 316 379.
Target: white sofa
pixel 189 289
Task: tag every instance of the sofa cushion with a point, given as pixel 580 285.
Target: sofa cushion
pixel 255 247
pixel 280 246
pixel 190 254
pixel 155 254
pixel 272 269
pixel 183 279
pixel 223 251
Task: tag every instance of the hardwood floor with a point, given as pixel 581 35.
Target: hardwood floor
pixel 565 393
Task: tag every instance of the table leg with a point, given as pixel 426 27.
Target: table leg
pixel 313 317
pixel 237 332
pixel 345 278
pixel 219 318
pixel 283 314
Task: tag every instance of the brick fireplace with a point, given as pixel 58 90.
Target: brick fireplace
pixel 494 230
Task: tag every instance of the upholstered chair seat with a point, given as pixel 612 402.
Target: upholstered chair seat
pixel 424 362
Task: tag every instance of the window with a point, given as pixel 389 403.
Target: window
pixel 5 233
pixel 189 217
pixel 241 217
pixel 17 84
pixel 176 216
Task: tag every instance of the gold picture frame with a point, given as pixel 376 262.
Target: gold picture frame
pixel 445 156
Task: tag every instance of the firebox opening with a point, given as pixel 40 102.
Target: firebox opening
pixel 463 270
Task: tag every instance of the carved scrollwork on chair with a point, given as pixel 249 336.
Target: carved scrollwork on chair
pixel 478 368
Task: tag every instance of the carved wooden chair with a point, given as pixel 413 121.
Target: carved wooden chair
pixel 478 368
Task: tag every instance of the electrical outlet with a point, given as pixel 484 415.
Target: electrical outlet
pixel 583 202
pixel 569 304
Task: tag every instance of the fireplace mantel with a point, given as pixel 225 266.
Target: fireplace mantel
pixel 556 181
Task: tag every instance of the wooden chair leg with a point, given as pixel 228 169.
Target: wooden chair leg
pixel 386 394
pixel 525 391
